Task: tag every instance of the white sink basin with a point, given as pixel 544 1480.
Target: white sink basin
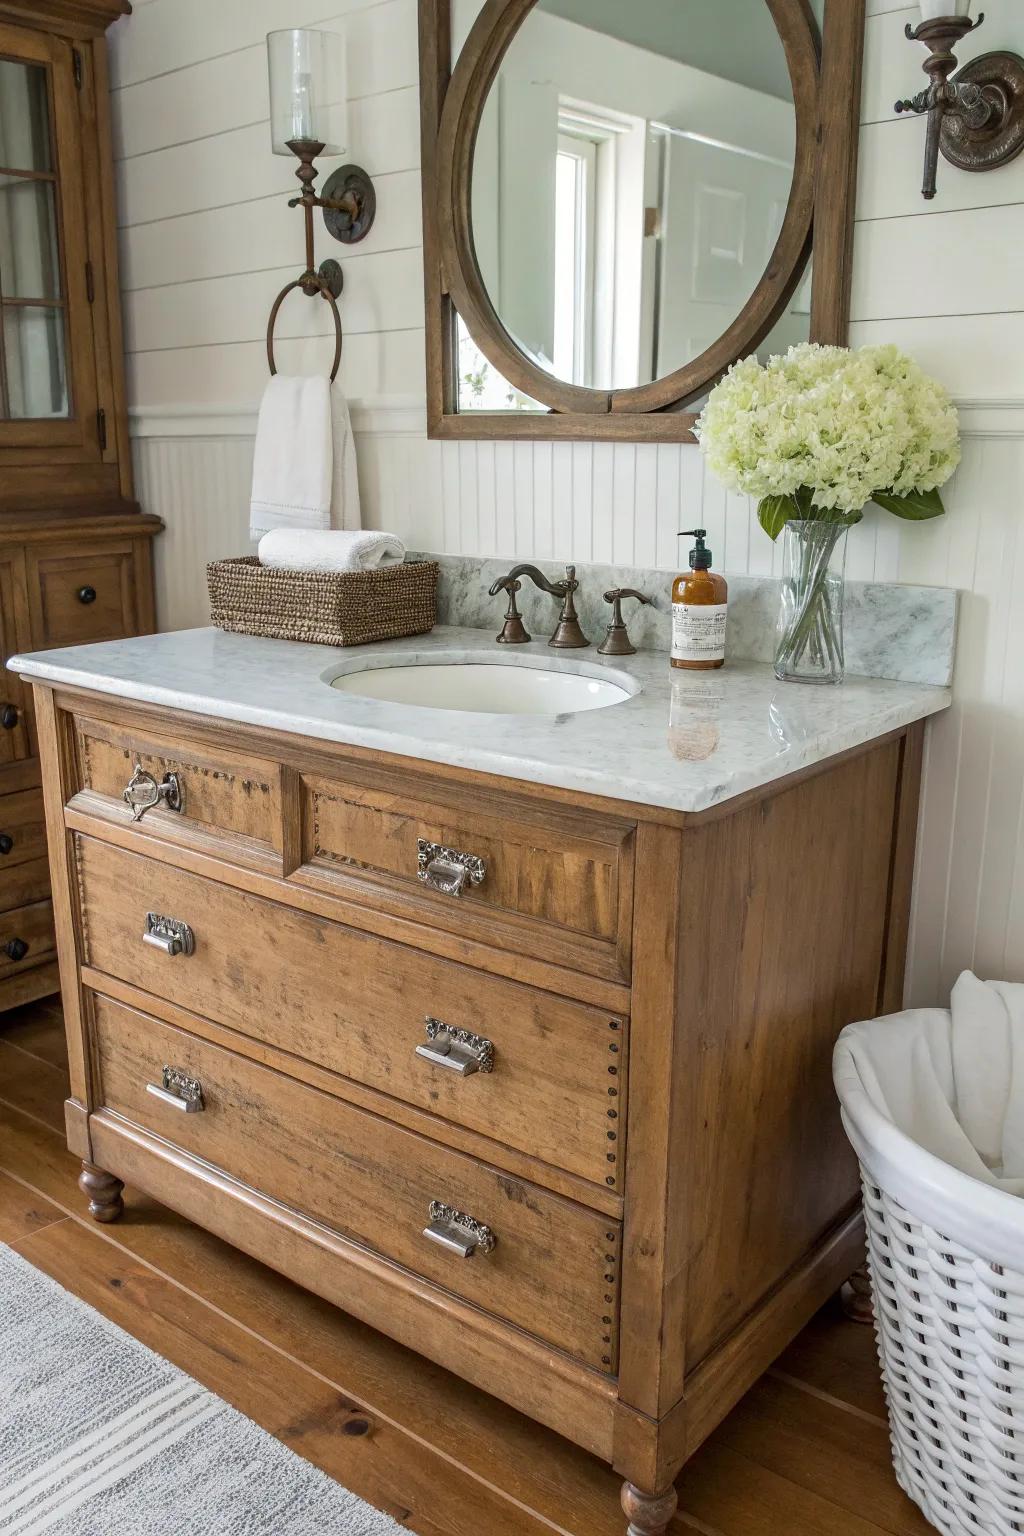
pixel 487 687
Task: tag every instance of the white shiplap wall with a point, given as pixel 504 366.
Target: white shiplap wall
pixel 207 240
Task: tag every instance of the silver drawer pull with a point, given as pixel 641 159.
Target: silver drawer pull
pixel 142 792
pixel 178 1090
pixel 456 1049
pixel 457 1232
pixel 446 869
pixel 168 934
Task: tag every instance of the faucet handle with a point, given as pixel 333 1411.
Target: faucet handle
pixel 617 642
pixel 513 631
pixel 568 635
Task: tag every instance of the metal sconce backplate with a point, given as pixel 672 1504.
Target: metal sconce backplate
pixel 349 184
pixel 330 272
pixel 1000 76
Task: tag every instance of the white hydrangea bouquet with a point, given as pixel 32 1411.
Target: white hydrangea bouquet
pixel 815 435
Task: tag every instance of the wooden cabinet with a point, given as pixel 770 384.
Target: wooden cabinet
pixel 75 560
pixel 610 1190
pixel 79 593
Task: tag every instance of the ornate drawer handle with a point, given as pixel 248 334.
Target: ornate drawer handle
pixel 142 792
pixel 179 1090
pixel 456 1049
pixel 457 1232
pixel 169 934
pixel 15 949
pixel 8 716
pixel 86 595
pixel 446 869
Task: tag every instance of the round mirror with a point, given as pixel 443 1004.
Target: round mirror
pixel 639 198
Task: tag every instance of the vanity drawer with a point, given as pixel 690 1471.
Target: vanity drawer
pixel 553 1268
pixel 554 1086
pixel 218 791
pixel 523 878
pixel 26 937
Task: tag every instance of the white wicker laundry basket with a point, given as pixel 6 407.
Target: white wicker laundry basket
pixel 946 1255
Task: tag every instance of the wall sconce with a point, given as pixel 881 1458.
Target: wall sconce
pixel 976 119
pixel 308 118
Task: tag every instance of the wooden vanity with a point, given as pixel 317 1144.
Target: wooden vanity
pixel 570 1132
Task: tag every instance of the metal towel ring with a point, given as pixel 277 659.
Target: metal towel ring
pixel 307 282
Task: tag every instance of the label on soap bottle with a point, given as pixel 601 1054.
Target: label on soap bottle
pixel 698 631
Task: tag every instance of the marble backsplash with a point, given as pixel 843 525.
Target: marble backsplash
pixel 904 633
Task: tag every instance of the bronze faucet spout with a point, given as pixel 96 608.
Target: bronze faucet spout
pixel 556 589
pixel 568 635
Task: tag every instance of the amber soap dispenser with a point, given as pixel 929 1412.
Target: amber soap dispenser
pixel 700 600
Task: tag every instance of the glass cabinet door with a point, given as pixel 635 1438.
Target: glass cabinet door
pixel 33 345
pixel 47 369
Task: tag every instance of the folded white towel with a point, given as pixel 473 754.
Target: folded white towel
pixel 304 464
pixel 300 549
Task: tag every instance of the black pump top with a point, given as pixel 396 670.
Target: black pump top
pixel 700 557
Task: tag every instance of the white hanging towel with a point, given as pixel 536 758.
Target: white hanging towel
pixel 304 466
pixel 299 549
pixel 345 512
pixel 293 462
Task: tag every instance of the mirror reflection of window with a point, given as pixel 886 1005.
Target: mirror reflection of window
pixel 630 181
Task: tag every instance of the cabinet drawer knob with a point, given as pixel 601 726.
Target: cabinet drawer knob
pixel 456 1049
pixel 179 1091
pixel 457 1232
pixel 6 842
pixel 86 595
pixel 446 869
pixel 16 949
pixel 169 934
pixel 142 792
pixel 8 716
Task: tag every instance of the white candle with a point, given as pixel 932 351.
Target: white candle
pixel 931 10
pixel 302 107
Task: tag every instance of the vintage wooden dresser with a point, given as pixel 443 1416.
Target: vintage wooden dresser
pixel 535 1082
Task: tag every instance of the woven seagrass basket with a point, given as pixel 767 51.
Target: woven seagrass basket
pixel 323 607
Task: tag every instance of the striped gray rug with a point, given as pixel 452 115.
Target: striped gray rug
pixel 101 1437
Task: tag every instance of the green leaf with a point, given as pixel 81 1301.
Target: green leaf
pixel 774 512
pixel 917 507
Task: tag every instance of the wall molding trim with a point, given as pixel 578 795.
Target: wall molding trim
pixel 379 414
pixel 406 416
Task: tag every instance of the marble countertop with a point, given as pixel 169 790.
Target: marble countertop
pixel 685 741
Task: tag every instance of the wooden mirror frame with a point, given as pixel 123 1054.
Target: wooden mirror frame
pixel 825 69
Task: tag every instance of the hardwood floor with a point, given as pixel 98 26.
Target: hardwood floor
pixel 805 1453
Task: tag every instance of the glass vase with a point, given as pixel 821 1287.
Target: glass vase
pixel 809 640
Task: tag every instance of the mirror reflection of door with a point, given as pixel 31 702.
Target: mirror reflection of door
pixel 630 180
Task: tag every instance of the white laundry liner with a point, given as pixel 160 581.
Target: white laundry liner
pixel 946 1253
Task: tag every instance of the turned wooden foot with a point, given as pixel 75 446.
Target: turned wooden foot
pixel 855 1297
pixel 104 1192
pixel 648 1513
